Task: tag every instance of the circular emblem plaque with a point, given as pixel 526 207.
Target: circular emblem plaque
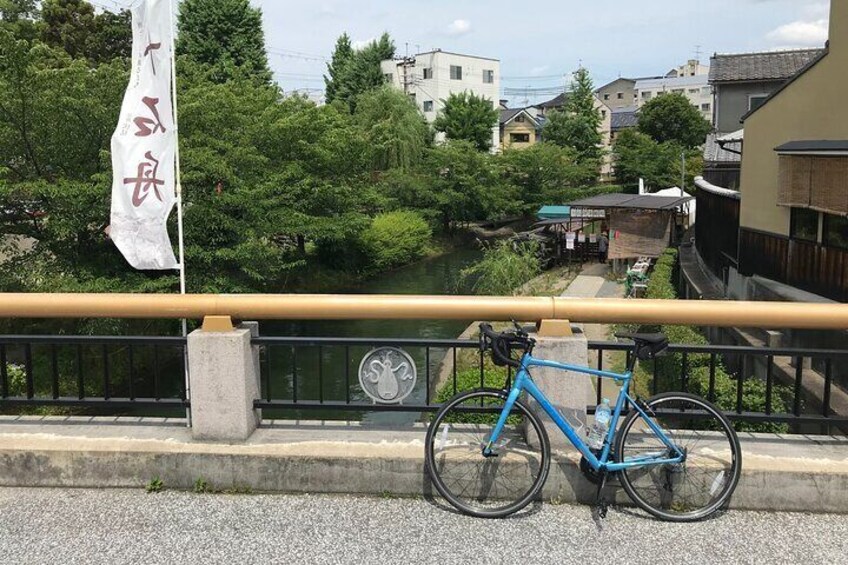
pixel 387 375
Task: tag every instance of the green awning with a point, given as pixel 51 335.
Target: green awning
pixel 554 213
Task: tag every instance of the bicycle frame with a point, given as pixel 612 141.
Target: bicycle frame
pixel 523 382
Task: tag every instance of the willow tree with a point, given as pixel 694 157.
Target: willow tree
pixel 397 133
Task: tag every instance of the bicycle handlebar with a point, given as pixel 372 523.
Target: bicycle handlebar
pixel 501 343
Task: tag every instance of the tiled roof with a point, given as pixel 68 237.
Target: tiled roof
pixel 509 113
pixel 713 153
pixel 774 65
pixel 557 102
pixel 623 120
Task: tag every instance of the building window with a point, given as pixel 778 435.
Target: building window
pixel 519 138
pixel 455 72
pixel 705 107
pixel 835 231
pixel 428 105
pixel 606 96
pixel 804 224
pixel 428 73
pixel 646 95
pixel 603 114
pixel 389 77
pixel 488 76
pixel 519 118
pixel 755 101
pixel 677 91
pixel 619 95
pixel 694 90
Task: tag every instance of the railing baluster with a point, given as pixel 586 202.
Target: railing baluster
pixel 454 370
pixel 799 375
pixel 294 374
pixel 347 374
pixel 599 381
pixel 711 390
pixel 80 377
pixel 740 382
pixel 107 385
pixel 131 360
pixel 157 391
pixel 655 383
pixel 828 377
pixel 54 364
pixel 4 375
pixel 268 372
pixel 30 387
pixel 769 382
pixel 427 375
pixel 320 375
pixel 684 367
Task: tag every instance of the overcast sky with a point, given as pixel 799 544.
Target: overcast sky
pixel 540 41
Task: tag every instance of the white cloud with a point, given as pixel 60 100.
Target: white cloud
pixel 459 27
pixel 358 44
pixel 800 33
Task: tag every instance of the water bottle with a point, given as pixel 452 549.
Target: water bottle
pixel 598 431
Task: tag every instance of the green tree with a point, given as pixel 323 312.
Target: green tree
pixel 671 117
pixel 544 174
pixel 21 18
pixel 362 71
pixel 342 55
pixel 73 27
pixel 636 155
pixel 468 117
pixel 577 124
pixel 464 185
pixel 396 132
pixel 225 35
pixel 396 238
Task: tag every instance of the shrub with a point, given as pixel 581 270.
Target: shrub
pixel 469 379
pixel 669 367
pixel 504 268
pixel 396 238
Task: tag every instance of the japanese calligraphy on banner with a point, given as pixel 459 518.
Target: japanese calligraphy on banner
pixel 143 145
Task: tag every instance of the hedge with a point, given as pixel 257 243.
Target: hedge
pixel 668 368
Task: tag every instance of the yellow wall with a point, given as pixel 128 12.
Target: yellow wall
pixel 812 107
pixel 518 127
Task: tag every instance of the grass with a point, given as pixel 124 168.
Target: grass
pixel 154 485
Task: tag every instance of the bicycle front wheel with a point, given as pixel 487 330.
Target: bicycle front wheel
pixel 486 486
pixel 698 486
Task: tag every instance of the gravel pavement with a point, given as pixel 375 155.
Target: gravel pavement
pixel 130 526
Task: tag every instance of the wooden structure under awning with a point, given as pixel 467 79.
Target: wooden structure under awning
pixel 639 225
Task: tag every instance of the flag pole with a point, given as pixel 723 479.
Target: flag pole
pixel 179 192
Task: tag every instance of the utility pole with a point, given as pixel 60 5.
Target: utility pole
pixel 682 173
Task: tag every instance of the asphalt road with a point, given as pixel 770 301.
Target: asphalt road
pixel 130 526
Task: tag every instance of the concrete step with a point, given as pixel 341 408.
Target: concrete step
pixel 787 473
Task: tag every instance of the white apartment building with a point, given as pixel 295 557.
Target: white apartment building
pixel 429 78
pixel 695 87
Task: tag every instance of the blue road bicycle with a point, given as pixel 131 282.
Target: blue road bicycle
pixel 488 454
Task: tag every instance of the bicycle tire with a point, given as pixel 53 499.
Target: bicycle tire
pixel 714 463
pixel 517 458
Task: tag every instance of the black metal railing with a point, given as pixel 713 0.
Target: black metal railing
pixel 788 389
pixel 93 374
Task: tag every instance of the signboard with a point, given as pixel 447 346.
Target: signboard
pixel 588 213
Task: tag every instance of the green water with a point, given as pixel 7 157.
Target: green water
pixel 439 275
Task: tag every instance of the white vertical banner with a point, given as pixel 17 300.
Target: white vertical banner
pixel 143 145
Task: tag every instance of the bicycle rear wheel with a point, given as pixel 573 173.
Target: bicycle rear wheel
pixel 695 488
pixel 494 486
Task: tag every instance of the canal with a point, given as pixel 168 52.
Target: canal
pixel 338 368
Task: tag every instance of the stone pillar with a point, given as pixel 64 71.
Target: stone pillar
pixel 224 373
pixel 570 392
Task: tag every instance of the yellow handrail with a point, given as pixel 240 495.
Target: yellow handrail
pixel 346 307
